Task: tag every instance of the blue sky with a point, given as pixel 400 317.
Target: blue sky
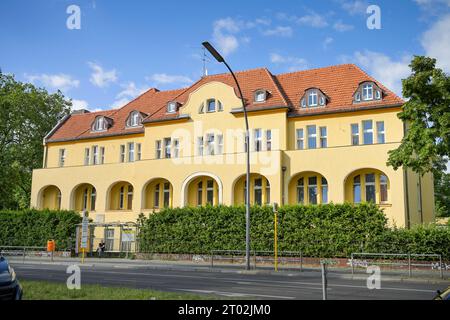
pixel 125 47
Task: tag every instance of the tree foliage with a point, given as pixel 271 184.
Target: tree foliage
pixel 27 114
pixel 442 194
pixel 426 145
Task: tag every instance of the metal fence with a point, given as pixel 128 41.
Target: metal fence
pixel 286 259
pixel 25 251
pixel 400 261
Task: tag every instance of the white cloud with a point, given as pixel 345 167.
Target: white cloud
pixel 60 81
pixel 128 93
pixel 355 7
pixel 279 31
pixel 224 35
pixel 292 63
pixel 100 77
pixel 164 78
pixel 313 20
pixel 436 42
pixel 327 42
pixel 82 104
pixel 342 27
pixel 383 68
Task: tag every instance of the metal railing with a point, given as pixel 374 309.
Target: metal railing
pixel 23 251
pixel 286 259
pixel 401 260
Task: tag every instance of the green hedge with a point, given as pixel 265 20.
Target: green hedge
pixel 35 227
pixel 333 230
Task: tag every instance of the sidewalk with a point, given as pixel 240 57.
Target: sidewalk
pixel 205 266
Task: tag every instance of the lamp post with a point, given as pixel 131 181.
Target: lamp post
pixel 220 59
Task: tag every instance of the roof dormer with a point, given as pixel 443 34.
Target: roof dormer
pixel 101 123
pixel 260 95
pixel 172 106
pixel 313 98
pixel 368 91
pixel 135 119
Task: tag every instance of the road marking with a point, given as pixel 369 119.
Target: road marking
pixel 234 294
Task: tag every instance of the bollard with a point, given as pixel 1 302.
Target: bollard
pixel 301 261
pixel 324 280
pixel 441 267
pixel 409 265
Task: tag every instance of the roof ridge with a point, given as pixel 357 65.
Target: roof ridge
pixel 235 72
pixel 315 69
pixel 276 84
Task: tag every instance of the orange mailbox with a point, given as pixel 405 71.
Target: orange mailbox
pixel 51 245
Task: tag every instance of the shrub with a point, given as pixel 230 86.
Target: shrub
pixel 35 227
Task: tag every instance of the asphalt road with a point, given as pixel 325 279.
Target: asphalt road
pixel 305 285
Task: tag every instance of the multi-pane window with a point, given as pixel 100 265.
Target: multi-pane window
pixel 171 107
pixel 156 196
pixel 99 124
pixel 301 190
pixel 269 140
pixel 257 139
pixel 95 158
pixel 324 190
pixel 166 195
pixel 355 134
pixel 367 91
pixel 312 190
pixel 85 198
pixel 131 151
pixel 102 155
pixel 176 148
pixel 323 137
pixel 367 132
pixel 210 144
pixel 357 189
pixel 380 132
pixel 93 198
pixel 219 144
pixel 158 149
pixel 121 197
pixel 135 119
pixel 312 98
pixel 300 139
pixel 312 137
pixel 383 188
pixel 62 157
pixel 122 153
pixel 370 187
pixel 258 191
pixel 167 148
pixel 260 96
pixel 138 151
pixel 200 193
pixel 200 146
pixel 87 156
pixel 210 192
pixel 267 192
pixel 130 197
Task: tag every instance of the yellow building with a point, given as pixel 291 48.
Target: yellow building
pixel 317 136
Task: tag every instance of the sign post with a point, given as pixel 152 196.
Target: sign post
pixel 84 234
pixel 275 234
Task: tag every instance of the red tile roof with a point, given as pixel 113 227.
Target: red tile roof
pixel 285 90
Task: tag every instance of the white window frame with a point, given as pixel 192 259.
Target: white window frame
pixel 207 105
pixel 138 151
pixel 87 156
pixel 167 148
pixel 300 145
pixel 200 146
pixel 102 155
pixel 62 157
pixel 381 132
pixel 257 140
pixel 313 98
pixel 323 138
pixel 122 154
pixel 172 107
pixel 268 143
pixel 353 135
pixel 158 149
pixel 176 148
pixel 368 87
pixel 312 136
pixel 95 155
pixel 131 151
pixel 367 131
pixel 260 95
pixel 210 144
pixel 219 138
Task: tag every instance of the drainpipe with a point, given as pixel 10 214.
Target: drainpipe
pixel 283 193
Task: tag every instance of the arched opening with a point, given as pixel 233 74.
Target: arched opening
pixel 50 198
pixel 84 197
pixel 120 196
pixel 367 185
pixel 201 189
pixel 158 193
pixel 308 188
pixel 259 190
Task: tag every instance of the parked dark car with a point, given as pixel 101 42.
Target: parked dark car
pixel 10 288
pixel 443 295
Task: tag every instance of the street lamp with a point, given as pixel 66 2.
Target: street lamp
pixel 220 59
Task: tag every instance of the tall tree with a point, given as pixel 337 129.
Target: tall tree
pixel 27 114
pixel 426 145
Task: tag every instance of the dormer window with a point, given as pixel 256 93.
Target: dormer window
pixel 260 95
pixel 172 107
pixel 134 119
pixel 100 124
pixel 313 98
pixel 368 91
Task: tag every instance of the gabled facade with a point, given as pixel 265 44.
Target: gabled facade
pixel 317 136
